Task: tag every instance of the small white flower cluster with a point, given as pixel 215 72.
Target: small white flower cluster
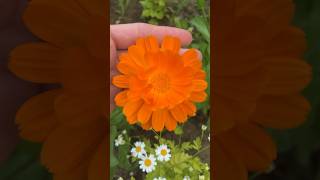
pixel 120 140
pixel 148 162
pixel 204 127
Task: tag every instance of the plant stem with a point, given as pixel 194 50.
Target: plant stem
pixel 180 136
pixel 155 132
pixel 200 151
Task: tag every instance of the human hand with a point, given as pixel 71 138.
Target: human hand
pixel 124 35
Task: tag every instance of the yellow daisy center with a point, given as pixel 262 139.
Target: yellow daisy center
pixel 163 152
pixel 160 82
pixel 147 162
pixel 138 149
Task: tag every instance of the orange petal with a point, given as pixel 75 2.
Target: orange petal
pixel 189 108
pixel 281 112
pixel 226 163
pixel 36 62
pixel 36 117
pixel 144 113
pixel 287 75
pixel 137 54
pixel 255 146
pixel 93 7
pixel 191 59
pixel 178 114
pixel 82 72
pixel 199 85
pixel 158 119
pixel 198 96
pixel 149 43
pixel 132 107
pixel 71 111
pixel 171 43
pixel 79 173
pixel 170 123
pixel 147 125
pixel 66 148
pixel 132 119
pixel 65 28
pixel 127 65
pixel 121 98
pixel 200 75
pixel 121 81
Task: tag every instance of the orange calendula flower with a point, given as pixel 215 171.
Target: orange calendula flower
pixel 160 86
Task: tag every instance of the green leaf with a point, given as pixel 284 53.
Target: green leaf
pixel 116 116
pixel 200 24
pixel 201 4
pixel 113 160
pixel 24 160
pixel 178 130
pixel 197 144
pixel 186 146
pixel 123 160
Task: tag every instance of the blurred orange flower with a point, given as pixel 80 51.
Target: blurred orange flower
pixel 160 86
pixel 71 119
pixel 259 73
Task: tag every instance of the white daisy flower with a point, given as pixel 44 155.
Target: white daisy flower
pixel 120 178
pixel 163 153
pixel 138 149
pixel 201 177
pixel 186 178
pixel 159 178
pixel 148 163
pixel 203 127
pixel 124 132
pixel 119 141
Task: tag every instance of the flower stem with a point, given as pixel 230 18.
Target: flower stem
pixel 200 151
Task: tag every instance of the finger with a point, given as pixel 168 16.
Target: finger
pixel 125 35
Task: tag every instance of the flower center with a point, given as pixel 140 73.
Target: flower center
pixel 160 83
pixel 163 152
pixel 147 162
pixel 138 149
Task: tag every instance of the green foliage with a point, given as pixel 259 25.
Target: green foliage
pixel 118 156
pixel 178 130
pixel 182 163
pixel 122 7
pixel 153 11
pixel 24 162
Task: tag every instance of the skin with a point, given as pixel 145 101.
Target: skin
pixel 124 35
